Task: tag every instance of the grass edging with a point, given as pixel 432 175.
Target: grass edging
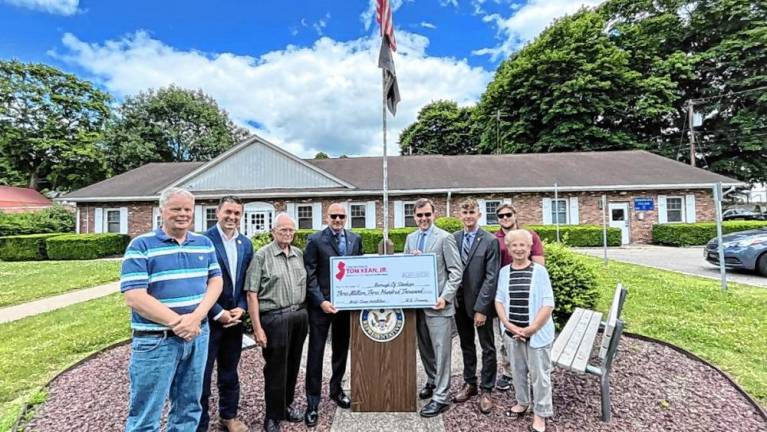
pixel 693 356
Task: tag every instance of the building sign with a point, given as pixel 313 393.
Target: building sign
pixel 643 204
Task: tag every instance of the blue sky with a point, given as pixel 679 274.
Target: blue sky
pixel 300 73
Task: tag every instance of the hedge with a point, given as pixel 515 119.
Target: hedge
pixel 573 279
pixel 30 247
pixel 56 219
pixel 86 246
pixel 697 233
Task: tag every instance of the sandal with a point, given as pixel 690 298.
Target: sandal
pixel 517 414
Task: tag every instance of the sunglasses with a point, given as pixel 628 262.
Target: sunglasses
pixel 420 215
pixel 505 215
pixel 338 216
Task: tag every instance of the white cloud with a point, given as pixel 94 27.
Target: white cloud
pixel 326 97
pixel 453 3
pixel 428 25
pixel 58 7
pixel 526 22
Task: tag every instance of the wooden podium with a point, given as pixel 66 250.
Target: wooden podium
pixel 384 373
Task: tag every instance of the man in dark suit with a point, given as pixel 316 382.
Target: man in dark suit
pixel 332 241
pixel 475 305
pixel 234 252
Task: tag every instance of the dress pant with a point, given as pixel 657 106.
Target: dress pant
pixel 434 344
pixel 224 348
pixel 285 335
pixel 319 325
pixel 486 336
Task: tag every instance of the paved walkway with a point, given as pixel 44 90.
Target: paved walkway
pixel 13 313
pixel 688 260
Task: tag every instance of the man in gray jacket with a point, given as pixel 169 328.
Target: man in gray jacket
pixel 434 324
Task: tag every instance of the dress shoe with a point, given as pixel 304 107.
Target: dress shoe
pixel 293 415
pixel 271 425
pixel 433 408
pixel 233 425
pixel 503 383
pixel 485 402
pixel 311 417
pixel 342 400
pixel 466 393
pixel 426 391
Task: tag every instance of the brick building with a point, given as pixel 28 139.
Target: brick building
pixel 641 188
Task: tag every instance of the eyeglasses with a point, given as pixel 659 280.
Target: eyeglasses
pixel 420 215
pixel 505 215
pixel 338 216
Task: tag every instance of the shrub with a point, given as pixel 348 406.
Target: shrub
pixel 572 235
pixel 370 238
pixel 697 233
pixel 56 219
pixel 573 279
pixel 86 246
pixel 30 247
pixel 451 224
pixel 261 240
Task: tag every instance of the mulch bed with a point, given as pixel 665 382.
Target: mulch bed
pixel 654 388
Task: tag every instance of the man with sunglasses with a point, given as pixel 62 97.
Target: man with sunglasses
pixel 434 325
pixel 332 241
pixel 507 218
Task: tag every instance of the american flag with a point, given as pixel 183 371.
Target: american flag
pixel 383 16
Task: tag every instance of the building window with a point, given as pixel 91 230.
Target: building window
pixel 113 221
pixel 490 217
pixel 210 217
pixel 358 215
pixel 559 211
pixel 157 217
pixel 674 209
pixel 304 216
pixel 409 210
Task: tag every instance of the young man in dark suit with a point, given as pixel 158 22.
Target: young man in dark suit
pixel 332 241
pixel 234 252
pixel 475 304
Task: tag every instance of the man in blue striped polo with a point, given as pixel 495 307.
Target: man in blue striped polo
pixel 170 279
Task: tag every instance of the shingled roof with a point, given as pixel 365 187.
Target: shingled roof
pixel 616 170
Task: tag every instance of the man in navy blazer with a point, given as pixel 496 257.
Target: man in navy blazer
pixel 332 241
pixel 234 252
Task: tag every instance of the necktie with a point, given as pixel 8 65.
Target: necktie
pixel 421 241
pixel 340 241
pixel 466 248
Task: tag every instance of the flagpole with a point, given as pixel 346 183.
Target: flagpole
pixel 385 170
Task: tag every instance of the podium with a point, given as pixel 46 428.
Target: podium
pixel 383 374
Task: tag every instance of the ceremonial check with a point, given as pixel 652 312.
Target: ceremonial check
pixel 384 281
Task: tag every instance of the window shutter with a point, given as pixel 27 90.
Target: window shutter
pixel 662 216
pixel 574 217
pixel 370 215
pixel 507 200
pixel 291 211
pixel 348 223
pixel 155 215
pixel 399 214
pixel 317 215
pixel 98 221
pixel 483 209
pixel 689 213
pixel 546 211
pixel 77 221
pixel 123 220
pixel 199 219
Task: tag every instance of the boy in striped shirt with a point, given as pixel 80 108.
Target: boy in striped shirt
pixel 170 279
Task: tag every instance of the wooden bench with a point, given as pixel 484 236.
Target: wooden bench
pixel 572 348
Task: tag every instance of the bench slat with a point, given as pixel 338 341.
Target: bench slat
pixel 612 317
pixel 561 341
pixel 584 350
pixel 574 342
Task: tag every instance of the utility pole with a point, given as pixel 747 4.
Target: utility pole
pixel 690 115
pixel 498 131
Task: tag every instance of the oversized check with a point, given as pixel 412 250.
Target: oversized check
pixel 384 281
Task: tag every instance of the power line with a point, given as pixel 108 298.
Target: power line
pixel 704 99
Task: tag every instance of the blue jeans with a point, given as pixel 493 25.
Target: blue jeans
pixel 162 367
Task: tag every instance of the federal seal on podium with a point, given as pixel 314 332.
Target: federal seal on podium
pixel 382 325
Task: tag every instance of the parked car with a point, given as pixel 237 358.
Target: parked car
pixel 743 214
pixel 742 250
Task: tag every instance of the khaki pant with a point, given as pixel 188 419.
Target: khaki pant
pixel 536 362
pixel 500 347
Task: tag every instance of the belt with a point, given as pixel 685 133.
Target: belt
pixel 159 333
pixel 291 308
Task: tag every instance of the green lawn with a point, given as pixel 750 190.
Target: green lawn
pixel 21 282
pixel 728 329
pixel 34 349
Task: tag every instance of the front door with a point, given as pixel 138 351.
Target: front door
pixel 619 218
pixel 257 222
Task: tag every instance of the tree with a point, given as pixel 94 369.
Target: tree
pixel 442 127
pixel 321 155
pixel 51 124
pixel 169 125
